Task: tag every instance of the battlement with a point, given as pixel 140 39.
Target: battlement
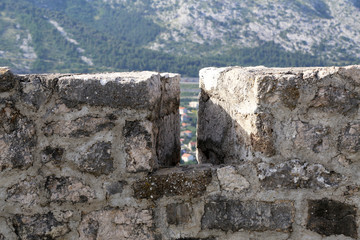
pixel 94 156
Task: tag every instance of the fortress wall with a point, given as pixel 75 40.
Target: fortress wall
pixel 93 156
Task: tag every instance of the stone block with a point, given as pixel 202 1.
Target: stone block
pixel 133 90
pixel 17 138
pixel 328 217
pixel 80 127
pixel 68 189
pixel 7 80
pixel 258 112
pixel 230 180
pixel 97 160
pixel 295 174
pixel 38 226
pixel 129 223
pixel 25 193
pixel 235 215
pixel 175 181
pixel 178 213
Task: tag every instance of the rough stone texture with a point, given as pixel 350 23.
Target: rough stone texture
pixel 128 223
pixel 97 160
pixel 17 138
pixel 7 81
pixel 39 226
pixel 26 192
pixel 139 146
pixel 272 113
pixel 328 217
pixel 171 182
pixel 232 215
pixel 178 213
pixel 67 189
pixel 230 180
pixel 296 174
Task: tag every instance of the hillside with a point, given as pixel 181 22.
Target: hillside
pixel 176 35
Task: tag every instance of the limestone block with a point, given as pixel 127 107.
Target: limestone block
pixel 296 174
pixel 230 180
pixel 68 189
pixel 328 217
pixel 178 213
pixel 17 138
pixel 271 113
pixel 235 215
pixel 172 182
pixel 38 226
pixel 7 80
pixel 129 223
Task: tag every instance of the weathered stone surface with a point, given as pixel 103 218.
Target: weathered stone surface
pixel 176 181
pixel 328 217
pixel 25 192
pixel 313 137
pixel 67 189
pixel 139 146
pixel 350 138
pixel 50 154
pixel 262 139
pixel 80 127
pixel 114 187
pixel 17 138
pixel 296 174
pixel 7 80
pixel 39 226
pixel 178 213
pixel 209 238
pixel 335 99
pixel 113 224
pixel 98 159
pixel 136 90
pixel 230 180
pixel 234 215
pixel 36 90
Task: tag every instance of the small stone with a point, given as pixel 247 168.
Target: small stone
pixel 230 180
pixel 39 226
pixel 172 182
pixel 328 217
pixel 313 137
pixel 114 187
pixel 50 154
pixel 7 80
pixel 139 146
pixel 128 223
pixel 235 215
pixel 178 214
pixel 98 160
pixel 67 189
pixel 25 193
pixel 349 141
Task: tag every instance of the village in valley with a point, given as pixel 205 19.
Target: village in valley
pixel 188 110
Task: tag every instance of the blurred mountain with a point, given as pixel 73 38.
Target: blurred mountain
pixel 176 35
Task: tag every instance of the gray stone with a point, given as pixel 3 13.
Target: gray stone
pixel 235 215
pixel 17 139
pixel 114 187
pixel 178 213
pixel 113 224
pixel 328 217
pixel 26 192
pixel 39 226
pixel 7 80
pixel 80 127
pixel 296 174
pixel 68 189
pixel 50 154
pixel 136 90
pixel 98 160
pixel 350 138
pixel 190 181
pixel 230 180
pixel 139 146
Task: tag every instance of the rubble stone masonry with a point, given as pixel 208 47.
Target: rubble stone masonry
pixel 95 156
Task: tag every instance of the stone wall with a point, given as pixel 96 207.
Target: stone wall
pixel 93 156
pixel 293 137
